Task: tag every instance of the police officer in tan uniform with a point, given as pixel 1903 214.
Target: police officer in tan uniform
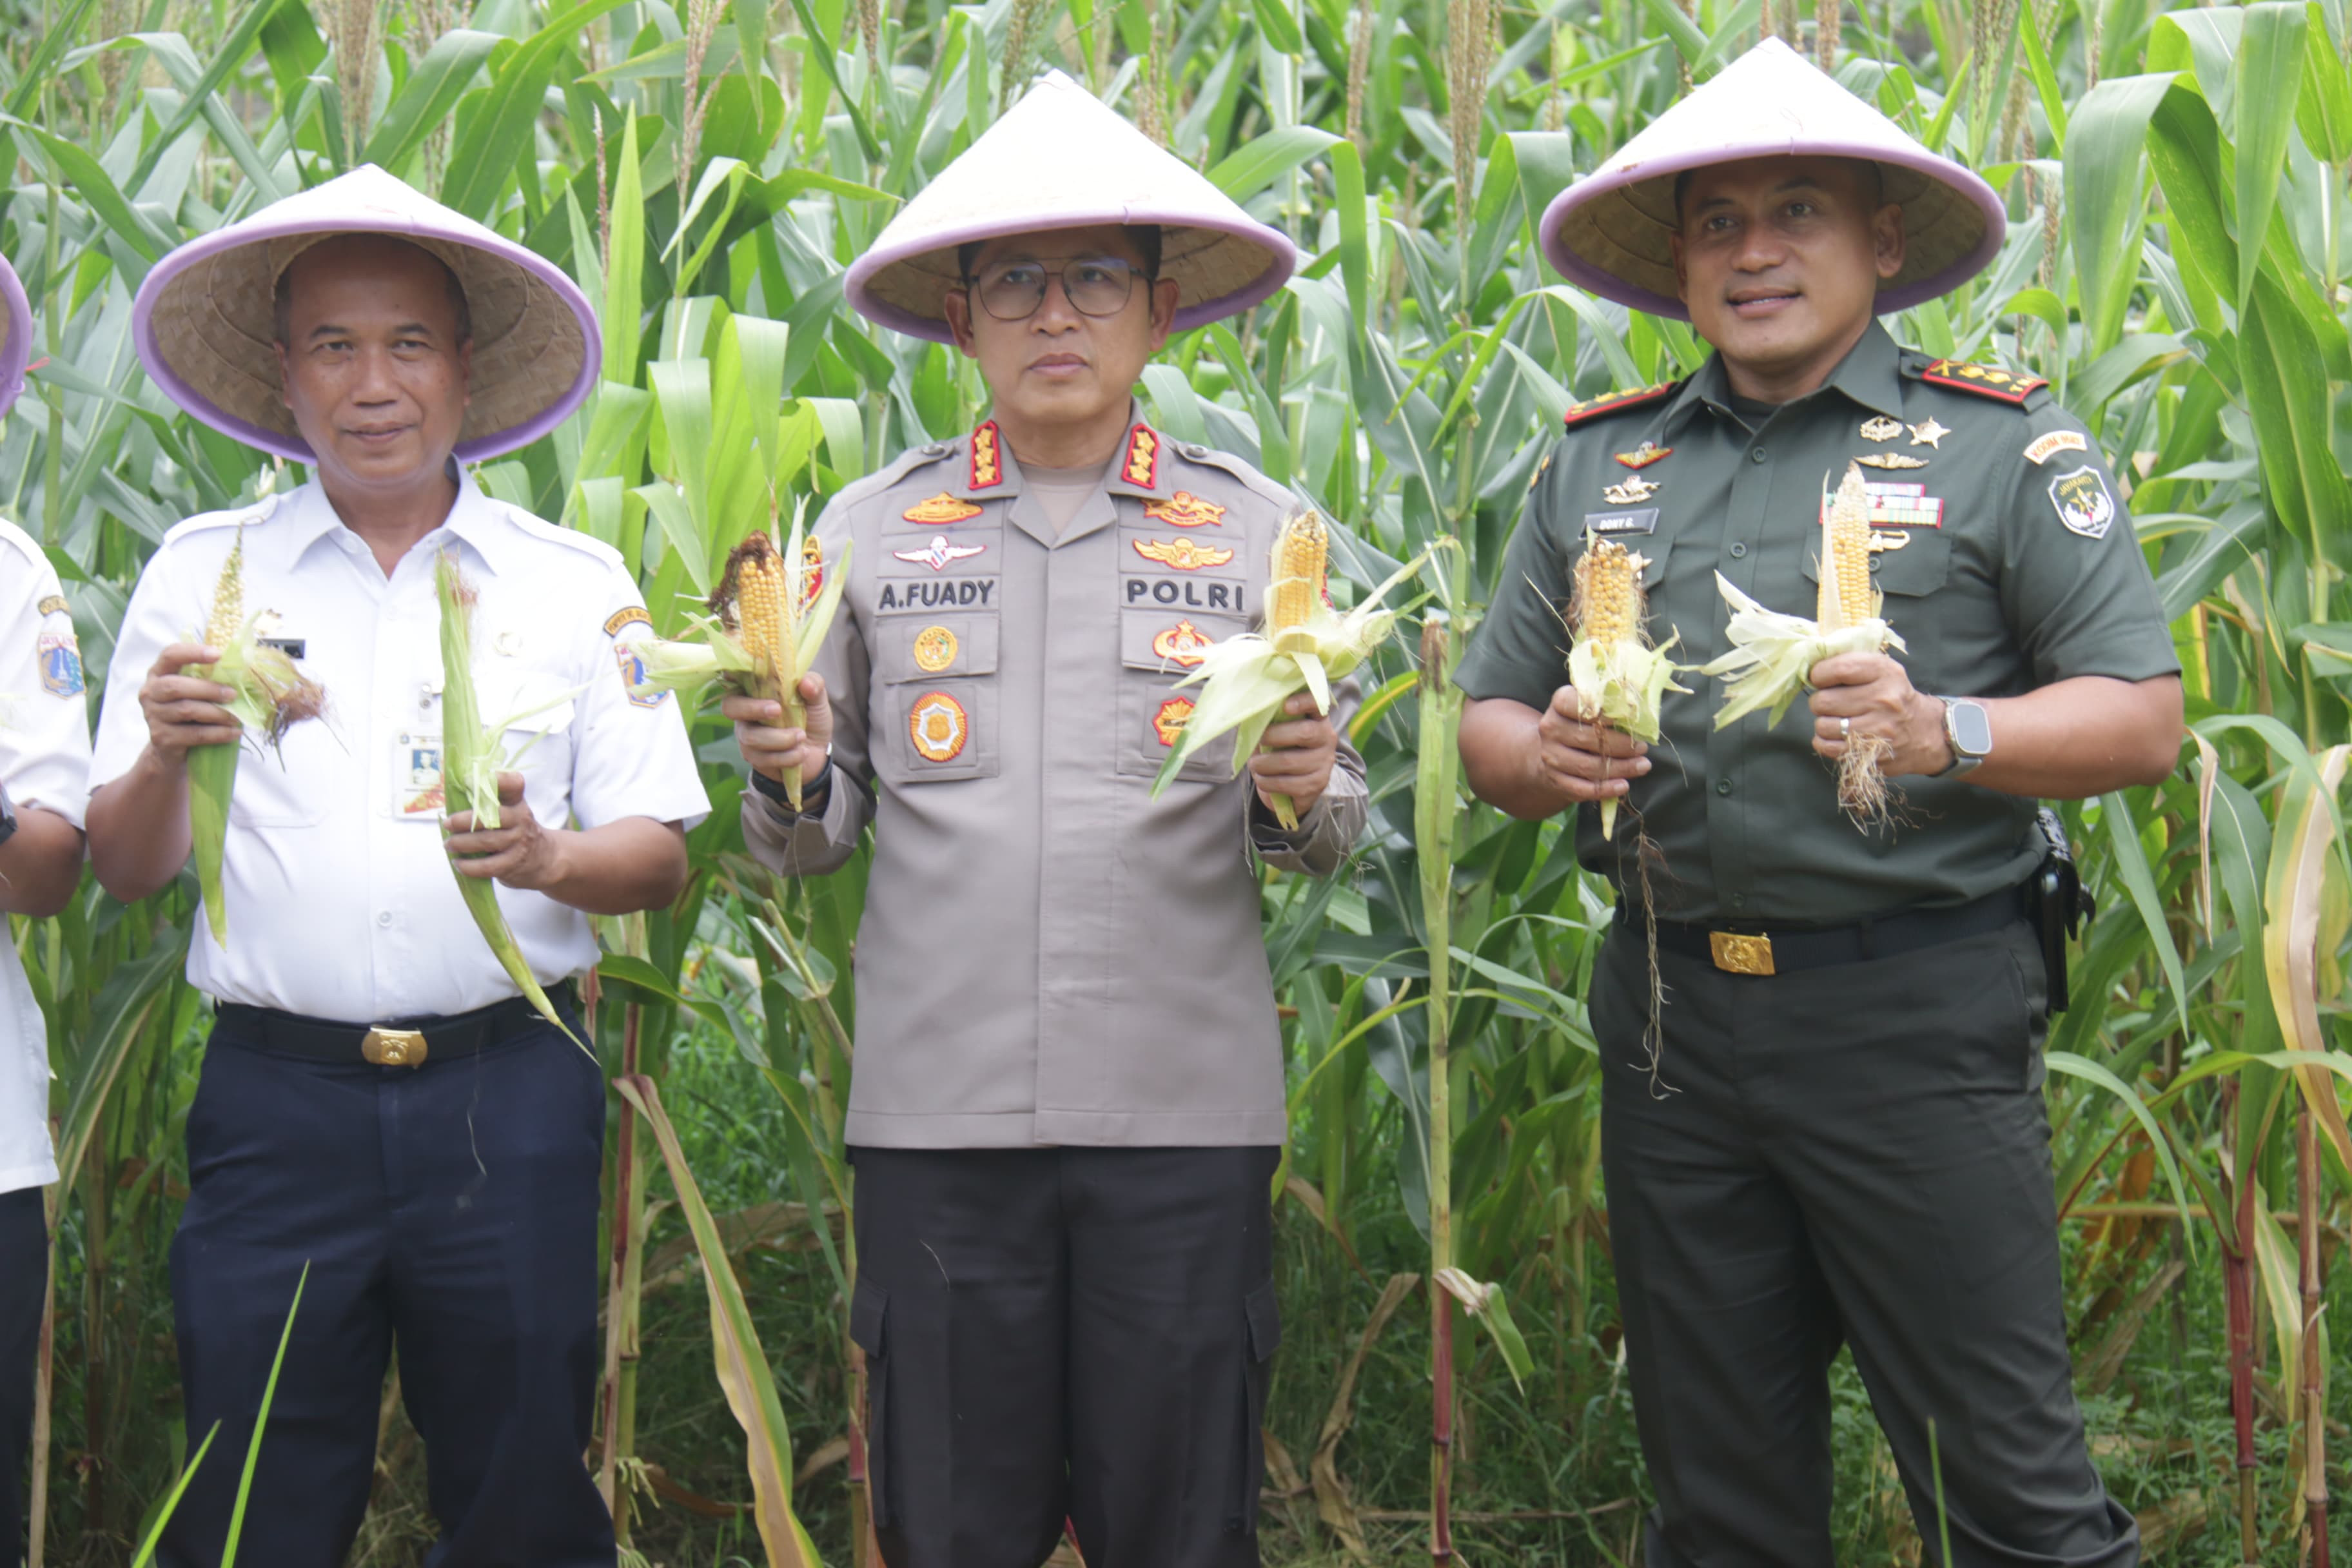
pixel 1067 1106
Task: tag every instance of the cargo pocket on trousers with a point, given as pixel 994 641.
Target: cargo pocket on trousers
pixel 870 1311
pixel 1262 1324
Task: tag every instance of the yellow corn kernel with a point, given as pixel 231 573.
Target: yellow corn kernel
pixel 228 598
pixel 1846 598
pixel 1608 593
pixel 1301 556
pixel 762 617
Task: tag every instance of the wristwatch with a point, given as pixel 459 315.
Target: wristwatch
pixel 774 789
pixel 1968 728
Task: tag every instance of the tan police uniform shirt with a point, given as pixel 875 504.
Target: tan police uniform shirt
pixel 1047 954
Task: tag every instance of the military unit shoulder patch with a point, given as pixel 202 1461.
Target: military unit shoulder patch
pixel 635 615
pixel 1984 380
pixel 2083 501
pixel 2041 448
pixel 60 660
pixel 941 509
pixel 631 659
pixel 1185 510
pixel 1140 468
pixel 987 457
pixel 1594 408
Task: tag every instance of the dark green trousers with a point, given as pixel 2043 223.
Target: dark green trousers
pixel 1858 1154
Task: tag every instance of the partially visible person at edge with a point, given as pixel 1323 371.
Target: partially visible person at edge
pixel 1845 1137
pixel 44 770
pixel 377 1102
pixel 1069 1102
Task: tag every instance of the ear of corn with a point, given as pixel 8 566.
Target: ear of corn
pixel 1245 680
pixel 272 696
pixel 1845 597
pixel 1611 661
pixel 471 755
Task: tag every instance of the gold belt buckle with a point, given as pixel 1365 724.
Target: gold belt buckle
pixel 394 1047
pixel 1735 954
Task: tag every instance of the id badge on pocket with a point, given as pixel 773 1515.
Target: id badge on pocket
pixel 415 760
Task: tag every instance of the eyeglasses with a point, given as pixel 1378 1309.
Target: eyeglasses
pixel 1095 286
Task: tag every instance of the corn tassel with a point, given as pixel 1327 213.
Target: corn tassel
pixel 1246 679
pixel 472 752
pixel 272 696
pixel 1612 663
pixel 1772 653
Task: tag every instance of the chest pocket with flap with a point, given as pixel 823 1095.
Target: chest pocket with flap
pixel 1159 647
pixel 936 702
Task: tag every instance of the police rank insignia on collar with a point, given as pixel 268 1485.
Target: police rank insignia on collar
pixel 987 457
pixel 2041 448
pixel 938 727
pixel 1183 554
pixel 1927 433
pixel 938 553
pixel 2083 500
pixel 1643 456
pixel 1183 644
pixel 60 660
pixel 1185 510
pixel 1632 492
pixel 942 507
pixel 1879 427
pixel 1890 460
pixel 1141 467
pixel 1169 722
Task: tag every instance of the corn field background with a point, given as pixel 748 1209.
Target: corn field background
pixel 2176 185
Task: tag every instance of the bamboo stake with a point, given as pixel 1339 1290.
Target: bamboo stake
pixel 2314 1365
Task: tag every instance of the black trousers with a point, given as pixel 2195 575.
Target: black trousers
pixel 24 1285
pixel 450 1208
pixel 1858 1152
pixel 1078 1333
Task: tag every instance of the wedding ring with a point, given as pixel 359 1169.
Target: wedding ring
pixel 1845 729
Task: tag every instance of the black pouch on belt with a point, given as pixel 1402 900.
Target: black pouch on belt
pixel 2062 906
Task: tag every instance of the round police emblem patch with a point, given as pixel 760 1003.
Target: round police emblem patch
pixel 938 728
pixel 935 650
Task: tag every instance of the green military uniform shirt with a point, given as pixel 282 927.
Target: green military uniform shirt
pixel 2006 558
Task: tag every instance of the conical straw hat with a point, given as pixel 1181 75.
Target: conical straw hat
pixel 1608 233
pixel 205 319
pixel 16 336
pixel 1059 159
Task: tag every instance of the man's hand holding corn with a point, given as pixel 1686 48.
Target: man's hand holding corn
pixel 770 745
pixel 1871 694
pixel 1579 760
pixel 517 852
pixel 185 710
pixel 1294 757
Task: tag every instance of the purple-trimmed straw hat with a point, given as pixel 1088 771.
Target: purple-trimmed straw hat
pixel 16 336
pixel 206 319
pixel 1059 159
pixel 1608 233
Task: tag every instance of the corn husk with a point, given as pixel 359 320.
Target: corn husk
pixel 1773 654
pixel 472 756
pixel 1245 680
pixel 756 654
pixel 272 697
pixel 1612 664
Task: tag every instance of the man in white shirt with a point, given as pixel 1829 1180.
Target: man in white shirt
pixel 444 1198
pixel 44 769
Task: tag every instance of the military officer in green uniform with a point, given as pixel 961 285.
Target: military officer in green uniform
pixel 1842 1136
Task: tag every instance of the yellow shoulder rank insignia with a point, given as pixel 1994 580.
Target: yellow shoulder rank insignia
pixel 987 457
pixel 1141 468
pixel 55 604
pixel 942 507
pixel 1643 456
pixel 1183 645
pixel 635 615
pixel 1984 380
pixel 2041 448
pixel 1183 554
pixel 1169 722
pixel 1592 407
pixel 1185 510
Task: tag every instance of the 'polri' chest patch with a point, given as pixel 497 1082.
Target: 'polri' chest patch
pixel 2083 501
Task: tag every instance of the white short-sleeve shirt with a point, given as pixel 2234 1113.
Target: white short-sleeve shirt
pixel 342 901
pixel 45 762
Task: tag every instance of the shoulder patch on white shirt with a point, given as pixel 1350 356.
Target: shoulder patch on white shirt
pixel 259 511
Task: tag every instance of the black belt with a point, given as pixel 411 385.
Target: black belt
pixel 1781 951
pixel 402 1043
